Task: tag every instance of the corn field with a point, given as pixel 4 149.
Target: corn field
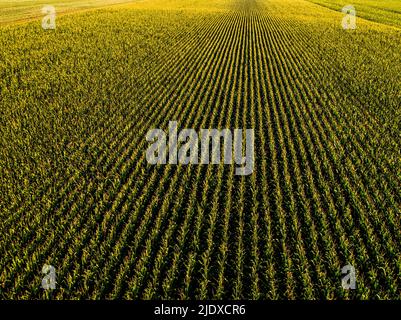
pixel 77 192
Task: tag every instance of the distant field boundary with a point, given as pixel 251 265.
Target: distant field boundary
pixel 363 14
pixel 63 8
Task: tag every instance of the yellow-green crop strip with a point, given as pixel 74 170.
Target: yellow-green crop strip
pixel 77 192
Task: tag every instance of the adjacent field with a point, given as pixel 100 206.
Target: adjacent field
pixel 383 11
pixel 23 10
pixel 77 193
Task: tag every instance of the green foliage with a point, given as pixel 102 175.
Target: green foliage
pixel 77 192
